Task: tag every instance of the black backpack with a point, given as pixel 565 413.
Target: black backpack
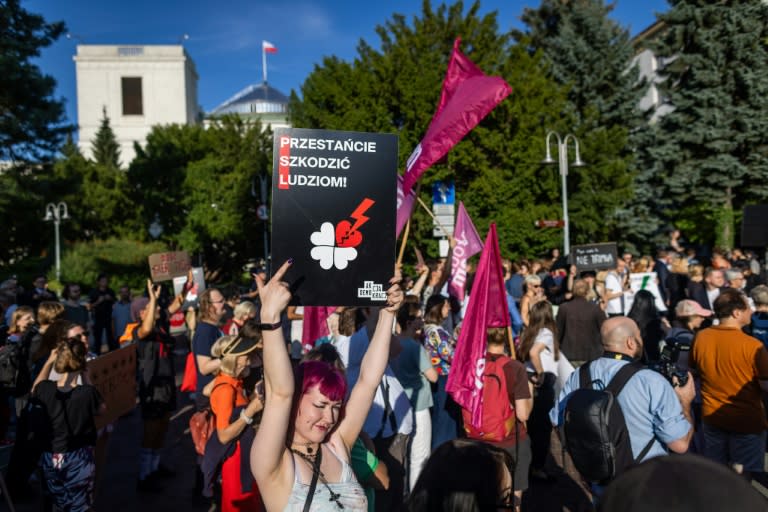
pixel 14 374
pixel 596 434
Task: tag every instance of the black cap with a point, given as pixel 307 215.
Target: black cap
pixel 680 483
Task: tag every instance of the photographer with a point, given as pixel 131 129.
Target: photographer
pixel 657 415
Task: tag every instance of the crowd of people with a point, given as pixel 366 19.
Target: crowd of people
pixel 359 417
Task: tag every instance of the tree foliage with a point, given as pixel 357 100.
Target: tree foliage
pixel 125 261
pixel 105 149
pixel 395 89
pixel 96 191
pixel 196 183
pixel 31 119
pixel 591 54
pixel 710 149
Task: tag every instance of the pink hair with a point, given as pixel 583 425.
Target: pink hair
pixel 330 380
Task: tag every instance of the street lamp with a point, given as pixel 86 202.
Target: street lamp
pixel 56 213
pixel 562 153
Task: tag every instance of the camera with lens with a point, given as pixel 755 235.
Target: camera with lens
pixel 667 365
pixel 670 370
pixel 674 346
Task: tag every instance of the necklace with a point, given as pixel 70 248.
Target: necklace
pixel 307 446
pixel 314 461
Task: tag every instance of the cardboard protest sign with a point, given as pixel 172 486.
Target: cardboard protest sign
pixel 594 256
pixel 333 212
pixel 164 266
pixel 114 375
pixel 644 281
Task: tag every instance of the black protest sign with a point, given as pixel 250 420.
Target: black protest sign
pixel 333 211
pixel 594 256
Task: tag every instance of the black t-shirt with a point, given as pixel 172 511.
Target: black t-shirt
pixel 71 415
pixel 103 310
pixel 205 336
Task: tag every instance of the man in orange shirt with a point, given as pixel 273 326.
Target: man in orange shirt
pixel 734 375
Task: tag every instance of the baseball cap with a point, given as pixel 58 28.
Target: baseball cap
pixel 680 483
pixel 690 308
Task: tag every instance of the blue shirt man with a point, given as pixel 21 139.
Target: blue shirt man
pixel 652 408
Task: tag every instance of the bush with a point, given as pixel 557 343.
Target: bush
pixel 124 261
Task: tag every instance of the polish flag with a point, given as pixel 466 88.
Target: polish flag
pixel 268 47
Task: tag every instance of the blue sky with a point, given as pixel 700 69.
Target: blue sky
pixel 225 36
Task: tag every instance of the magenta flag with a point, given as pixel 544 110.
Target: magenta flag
pixel 468 96
pixel 468 243
pixel 315 325
pixel 404 205
pixel 487 308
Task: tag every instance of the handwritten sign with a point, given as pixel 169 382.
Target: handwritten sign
pixel 164 266
pixel 594 256
pixel 114 375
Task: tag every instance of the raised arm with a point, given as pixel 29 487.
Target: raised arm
pixel 268 448
pixel 148 323
pixel 423 275
pixel 371 368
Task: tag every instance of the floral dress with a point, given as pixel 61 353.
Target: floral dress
pixel 440 347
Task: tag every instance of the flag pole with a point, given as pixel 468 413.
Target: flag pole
pixel 445 232
pixel 511 341
pixel 264 62
pixel 407 229
pixel 403 242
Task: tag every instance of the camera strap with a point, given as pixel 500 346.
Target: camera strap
pixel 618 356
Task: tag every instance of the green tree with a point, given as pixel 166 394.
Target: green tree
pixel 221 221
pixel 395 90
pixel 591 54
pixel 196 183
pixel 711 148
pixel 96 191
pixel 32 120
pixel 106 150
pixel 156 177
pixel 23 232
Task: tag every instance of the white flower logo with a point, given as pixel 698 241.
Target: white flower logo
pixel 326 251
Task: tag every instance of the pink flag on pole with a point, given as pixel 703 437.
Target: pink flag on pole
pixel 404 205
pixel 487 308
pixel 315 325
pixel 468 243
pixel 468 96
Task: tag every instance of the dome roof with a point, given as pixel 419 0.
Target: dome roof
pixel 254 99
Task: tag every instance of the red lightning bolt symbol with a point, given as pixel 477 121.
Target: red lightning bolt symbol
pixel 359 214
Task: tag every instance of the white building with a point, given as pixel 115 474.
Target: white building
pixel 257 101
pixel 140 86
pixel 649 65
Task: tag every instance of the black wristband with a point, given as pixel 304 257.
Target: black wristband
pixel 270 327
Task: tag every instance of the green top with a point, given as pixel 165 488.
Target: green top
pixel 364 464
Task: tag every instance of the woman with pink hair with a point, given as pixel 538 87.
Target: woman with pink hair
pixel 300 457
